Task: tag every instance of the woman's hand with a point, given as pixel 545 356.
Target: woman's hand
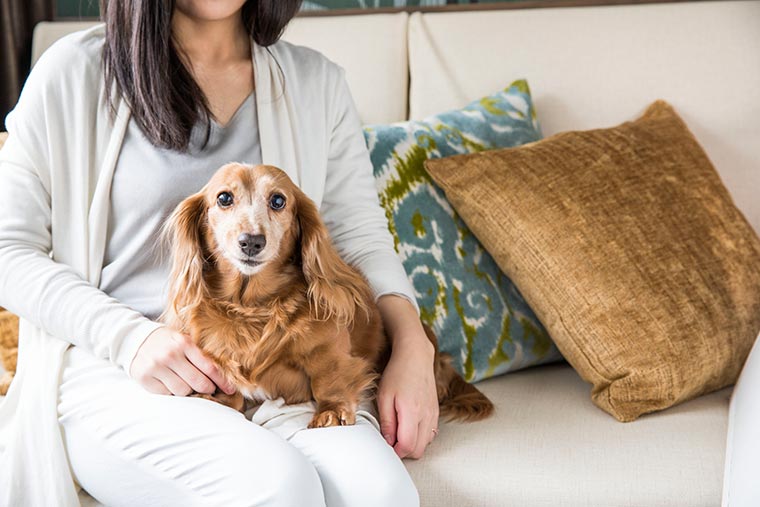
pixel 167 362
pixel 407 397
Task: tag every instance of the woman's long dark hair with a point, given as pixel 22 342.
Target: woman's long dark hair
pixel 141 60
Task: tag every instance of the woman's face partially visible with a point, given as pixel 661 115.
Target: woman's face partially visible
pixel 209 10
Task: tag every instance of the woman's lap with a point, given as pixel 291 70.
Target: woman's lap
pixel 129 447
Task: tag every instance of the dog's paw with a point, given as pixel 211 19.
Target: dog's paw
pixel 333 417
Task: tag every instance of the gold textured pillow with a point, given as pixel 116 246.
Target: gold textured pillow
pixel 630 250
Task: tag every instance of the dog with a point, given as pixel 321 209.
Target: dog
pixel 258 285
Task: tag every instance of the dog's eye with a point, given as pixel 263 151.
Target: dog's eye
pixel 277 202
pixel 224 199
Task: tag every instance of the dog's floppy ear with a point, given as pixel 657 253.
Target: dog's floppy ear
pixel 184 234
pixel 334 289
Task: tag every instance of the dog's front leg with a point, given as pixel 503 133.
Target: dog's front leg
pixel 209 342
pixel 338 382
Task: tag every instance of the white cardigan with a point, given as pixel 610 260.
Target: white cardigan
pixel 55 176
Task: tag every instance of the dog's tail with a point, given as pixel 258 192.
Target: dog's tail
pixel 459 400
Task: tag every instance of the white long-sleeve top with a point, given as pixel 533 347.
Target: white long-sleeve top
pixel 56 171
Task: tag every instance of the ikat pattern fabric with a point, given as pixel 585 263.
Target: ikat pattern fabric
pixel 479 315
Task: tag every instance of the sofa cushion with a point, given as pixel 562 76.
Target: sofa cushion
pixel 630 250
pixel 549 446
pixel 478 314
pixel 592 67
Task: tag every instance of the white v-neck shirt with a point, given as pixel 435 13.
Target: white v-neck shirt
pixel 148 183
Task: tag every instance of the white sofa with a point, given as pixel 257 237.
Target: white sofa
pixel 588 67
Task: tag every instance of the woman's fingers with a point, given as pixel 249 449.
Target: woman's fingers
pixel 173 382
pixel 425 435
pixel 173 360
pixel 406 437
pixel 415 431
pixel 207 368
pixel 387 409
pixel 155 386
pixel 193 377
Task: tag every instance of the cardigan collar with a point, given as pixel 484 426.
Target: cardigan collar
pixel 274 110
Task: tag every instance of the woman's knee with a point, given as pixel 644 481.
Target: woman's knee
pixel 357 467
pixel 390 487
pixel 379 483
pixel 296 484
pixel 287 478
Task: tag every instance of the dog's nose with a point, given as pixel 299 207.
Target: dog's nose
pixel 251 244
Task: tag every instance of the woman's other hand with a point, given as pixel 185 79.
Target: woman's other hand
pixel 168 362
pixel 407 396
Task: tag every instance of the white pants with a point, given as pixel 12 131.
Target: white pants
pixel 129 447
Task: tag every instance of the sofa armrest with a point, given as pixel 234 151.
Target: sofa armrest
pixel 740 485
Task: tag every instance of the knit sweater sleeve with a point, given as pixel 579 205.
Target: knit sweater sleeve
pixel 350 206
pixel 34 282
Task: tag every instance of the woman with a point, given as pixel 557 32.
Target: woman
pixel 115 126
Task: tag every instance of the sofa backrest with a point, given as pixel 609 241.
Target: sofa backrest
pixel 371 48
pixel 593 67
pixel 588 67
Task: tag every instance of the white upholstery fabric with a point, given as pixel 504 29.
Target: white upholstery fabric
pixel 549 446
pixel 741 487
pixel 592 67
pixel 372 49
pixel 47 32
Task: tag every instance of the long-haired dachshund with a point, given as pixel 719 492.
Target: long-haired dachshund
pixel 259 287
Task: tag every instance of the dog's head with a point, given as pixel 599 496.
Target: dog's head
pixel 247 215
pixel 254 219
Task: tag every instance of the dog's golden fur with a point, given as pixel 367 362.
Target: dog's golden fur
pixel 8 348
pixel 272 319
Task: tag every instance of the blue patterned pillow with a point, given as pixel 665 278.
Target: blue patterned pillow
pixel 478 314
